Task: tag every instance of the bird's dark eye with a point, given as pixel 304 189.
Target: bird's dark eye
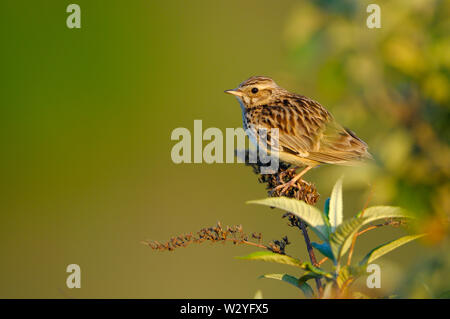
pixel 255 90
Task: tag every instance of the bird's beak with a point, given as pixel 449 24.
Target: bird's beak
pixel 235 92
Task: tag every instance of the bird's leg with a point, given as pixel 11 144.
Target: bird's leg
pixel 282 174
pixel 285 186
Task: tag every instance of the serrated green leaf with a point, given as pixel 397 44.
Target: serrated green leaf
pixel 343 235
pixel 336 214
pixel 387 247
pixel 310 214
pixel 349 272
pixel 324 249
pixel 272 257
pixel 307 290
pixel 344 275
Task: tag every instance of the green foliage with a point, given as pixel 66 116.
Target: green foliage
pixel 325 249
pixel 302 285
pixel 317 270
pixel 386 248
pixel 335 213
pixel 337 236
pixel 375 213
pixel 310 214
pixel 272 257
pixel 343 235
pixel 286 260
pixel 326 208
pixel 347 274
pixel 307 276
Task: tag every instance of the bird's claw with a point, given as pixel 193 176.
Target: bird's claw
pixel 284 187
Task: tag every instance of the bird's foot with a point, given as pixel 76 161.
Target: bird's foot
pixel 281 189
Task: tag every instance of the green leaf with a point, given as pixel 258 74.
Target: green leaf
pixel 272 257
pixel 325 249
pixel 383 212
pixel 285 259
pixel 307 290
pixel 307 276
pixel 372 214
pixel 311 268
pixel 341 238
pixel 344 275
pixel 349 273
pixel 387 247
pixel 326 208
pixel 311 215
pixel 336 214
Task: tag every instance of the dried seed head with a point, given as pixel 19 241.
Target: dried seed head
pixel 234 234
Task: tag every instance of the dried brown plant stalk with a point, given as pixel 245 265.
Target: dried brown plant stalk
pixel 233 234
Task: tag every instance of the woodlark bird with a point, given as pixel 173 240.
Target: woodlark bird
pixel 308 135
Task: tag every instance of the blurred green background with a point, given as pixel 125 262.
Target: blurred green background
pixel 86 118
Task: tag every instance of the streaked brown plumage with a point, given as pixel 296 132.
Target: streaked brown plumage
pixel 308 133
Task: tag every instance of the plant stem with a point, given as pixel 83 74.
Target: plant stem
pixel 253 244
pixel 350 254
pixel 352 247
pixel 312 257
pixel 322 261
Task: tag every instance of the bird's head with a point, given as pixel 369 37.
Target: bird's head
pixel 257 90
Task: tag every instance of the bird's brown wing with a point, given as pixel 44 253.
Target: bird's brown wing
pixel 307 130
pixel 339 145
